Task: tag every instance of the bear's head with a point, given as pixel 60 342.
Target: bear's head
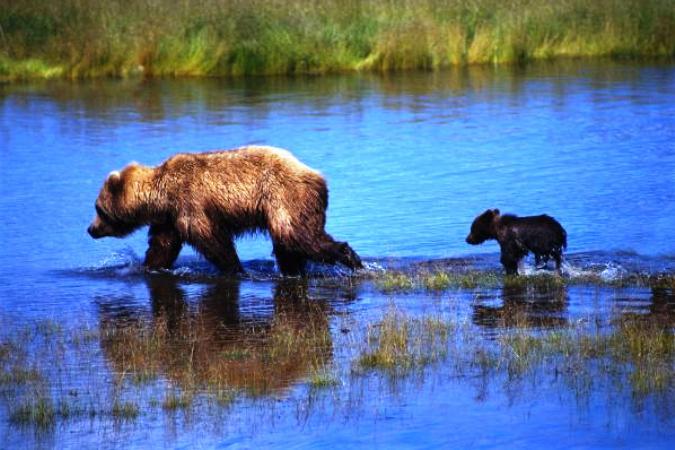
pixel 116 206
pixel 483 228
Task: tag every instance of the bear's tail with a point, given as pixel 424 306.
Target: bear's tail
pixel 564 239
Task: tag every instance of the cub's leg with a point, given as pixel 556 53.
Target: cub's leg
pixel 557 257
pixel 511 254
pixel 538 259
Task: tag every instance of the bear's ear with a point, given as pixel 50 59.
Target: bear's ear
pixel 114 181
pixel 495 212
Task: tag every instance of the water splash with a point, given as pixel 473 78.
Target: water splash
pixel 613 272
pixel 122 263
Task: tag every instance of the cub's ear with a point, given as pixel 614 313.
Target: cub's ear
pixel 495 212
pixel 114 181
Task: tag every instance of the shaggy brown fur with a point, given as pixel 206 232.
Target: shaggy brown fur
pixel 208 199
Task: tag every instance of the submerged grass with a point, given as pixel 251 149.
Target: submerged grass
pixel 40 413
pixel 88 38
pixel 635 353
pixel 174 401
pixel 183 358
pixel 323 378
pixel 126 410
pixel 49 373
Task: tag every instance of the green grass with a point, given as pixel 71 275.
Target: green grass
pixel 636 353
pixel 125 410
pixel 323 378
pixel 399 344
pixel 40 413
pixel 394 282
pixel 438 281
pixel 90 38
pixel 174 401
pixel 391 282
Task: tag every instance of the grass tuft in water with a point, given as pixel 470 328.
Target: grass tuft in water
pixel 394 282
pixel 174 401
pixel 399 343
pixel 40 413
pixel 323 378
pixel 126 410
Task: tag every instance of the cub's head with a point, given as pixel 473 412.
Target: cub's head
pixel 482 227
pixel 113 217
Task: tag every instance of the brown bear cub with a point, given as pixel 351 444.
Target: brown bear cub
pixel 208 199
pixel 517 236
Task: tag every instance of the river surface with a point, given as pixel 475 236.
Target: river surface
pixel 410 160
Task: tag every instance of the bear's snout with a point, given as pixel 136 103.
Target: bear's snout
pixel 470 240
pixel 93 232
pixel 96 228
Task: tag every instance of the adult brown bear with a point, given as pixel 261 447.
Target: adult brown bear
pixel 208 199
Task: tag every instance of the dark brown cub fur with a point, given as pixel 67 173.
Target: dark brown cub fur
pixel 517 236
pixel 208 199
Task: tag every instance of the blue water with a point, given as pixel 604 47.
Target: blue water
pixel 410 160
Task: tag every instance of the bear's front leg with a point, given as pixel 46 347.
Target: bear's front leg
pixel 222 253
pixel 164 245
pixel 511 254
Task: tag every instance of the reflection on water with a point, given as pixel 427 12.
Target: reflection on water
pixel 524 306
pixel 211 344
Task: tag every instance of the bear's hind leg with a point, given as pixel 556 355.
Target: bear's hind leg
pixel 290 263
pixel 538 259
pixel 304 234
pixel 164 245
pixel 344 254
pixel 557 257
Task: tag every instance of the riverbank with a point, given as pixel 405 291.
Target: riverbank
pixel 86 39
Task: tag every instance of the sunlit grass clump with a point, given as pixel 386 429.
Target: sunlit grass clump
pixel 88 38
pixel 399 344
pixel 442 280
pixel 635 353
pixel 638 350
pixel 323 378
pixel 439 280
pixel 39 412
pixel 394 282
pixel 176 401
pixel 126 410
